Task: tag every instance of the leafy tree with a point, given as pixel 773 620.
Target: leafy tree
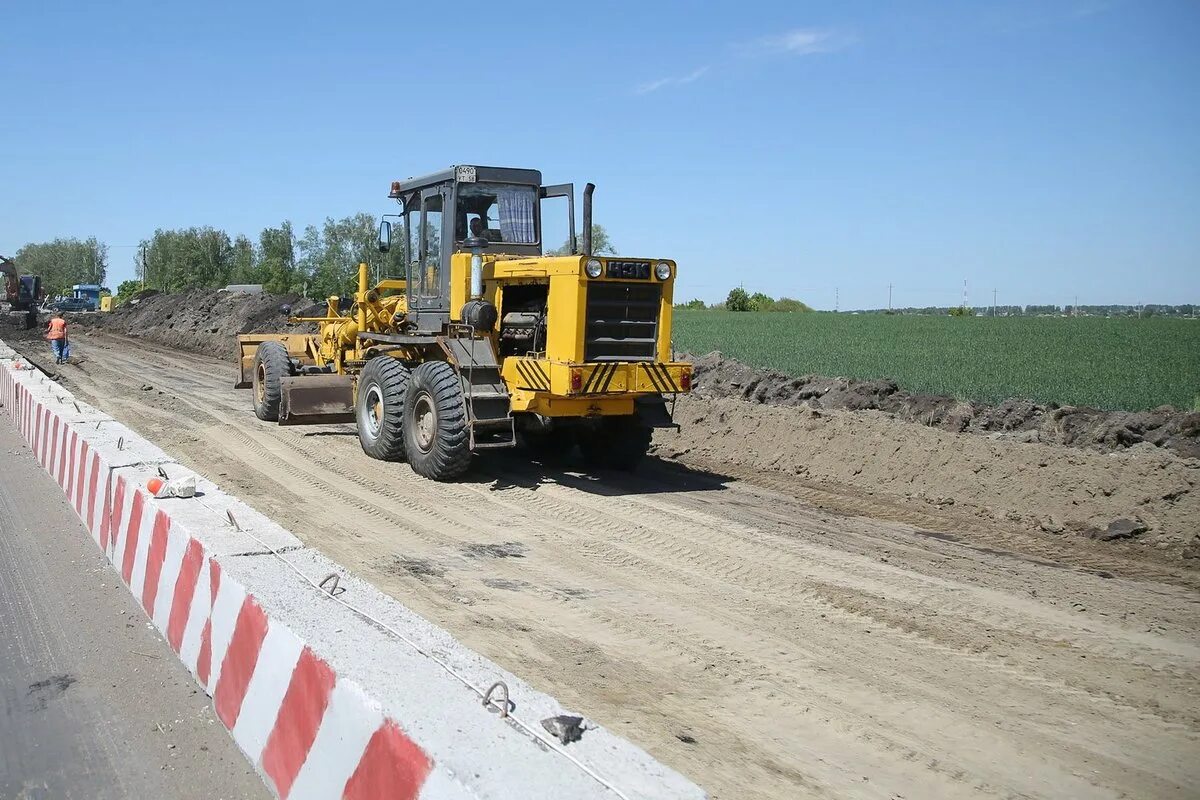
pixel 738 300
pixel 696 304
pixel 761 302
pixel 788 304
pixel 960 311
pixel 126 289
pixel 188 258
pixel 601 244
pixel 276 264
pixel 244 261
pixel 62 263
pixel 330 256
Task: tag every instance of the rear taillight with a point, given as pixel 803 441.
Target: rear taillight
pixel 685 381
pixel 576 380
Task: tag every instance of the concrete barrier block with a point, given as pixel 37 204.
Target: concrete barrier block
pixel 330 694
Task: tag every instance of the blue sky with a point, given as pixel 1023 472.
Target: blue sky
pixel 1045 149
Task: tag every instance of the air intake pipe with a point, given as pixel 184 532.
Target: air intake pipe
pixel 587 218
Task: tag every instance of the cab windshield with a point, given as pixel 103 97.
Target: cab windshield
pixel 498 212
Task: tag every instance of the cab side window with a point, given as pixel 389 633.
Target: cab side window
pixel 431 263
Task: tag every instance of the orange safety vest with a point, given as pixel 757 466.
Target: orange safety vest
pixel 58 329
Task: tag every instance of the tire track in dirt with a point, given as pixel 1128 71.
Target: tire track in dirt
pixel 766 637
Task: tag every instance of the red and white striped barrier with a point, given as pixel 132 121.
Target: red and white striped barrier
pixel 352 696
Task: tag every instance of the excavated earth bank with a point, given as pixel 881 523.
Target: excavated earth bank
pixel 1021 420
pixel 1125 478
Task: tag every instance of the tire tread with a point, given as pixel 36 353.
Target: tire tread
pixel 274 356
pixel 393 378
pixel 450 455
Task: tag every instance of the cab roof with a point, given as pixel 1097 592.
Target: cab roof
pixel 530 177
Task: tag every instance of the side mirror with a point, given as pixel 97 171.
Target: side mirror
pixel 385 236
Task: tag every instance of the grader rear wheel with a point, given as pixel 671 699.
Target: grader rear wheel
pixel 435 423
pixel 271 365
pixel 379 408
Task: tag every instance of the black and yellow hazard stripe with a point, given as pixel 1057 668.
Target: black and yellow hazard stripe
pixel 660 376
pixel 600 378
pixel 534 375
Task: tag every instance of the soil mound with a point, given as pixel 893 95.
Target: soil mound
pixel 1021 420
pixel 1140 500
pixel 201 320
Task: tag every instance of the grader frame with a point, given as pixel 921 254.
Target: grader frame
pixel 484 339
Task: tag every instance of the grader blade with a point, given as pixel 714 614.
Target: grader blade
pixel 316 400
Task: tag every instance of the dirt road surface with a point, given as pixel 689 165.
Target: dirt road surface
pixel 93 703
pixel 766 637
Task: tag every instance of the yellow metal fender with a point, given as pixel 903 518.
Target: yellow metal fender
pixel 296 344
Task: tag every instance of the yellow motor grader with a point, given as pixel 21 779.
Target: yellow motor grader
pixel 484 340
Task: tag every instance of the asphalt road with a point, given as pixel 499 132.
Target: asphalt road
pixel 93 703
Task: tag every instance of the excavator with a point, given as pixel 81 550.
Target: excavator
pixel 23 293
pixel 484 338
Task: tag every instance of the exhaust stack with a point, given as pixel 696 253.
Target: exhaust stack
pixel 587 218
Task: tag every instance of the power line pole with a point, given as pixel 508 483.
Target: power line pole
pixel 993 303
pixel 964 300
pixel 1075 307
pixel 836 299
pixel 889 297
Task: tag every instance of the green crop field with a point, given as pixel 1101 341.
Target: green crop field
pixel 1117 363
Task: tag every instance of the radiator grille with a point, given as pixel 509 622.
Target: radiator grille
pixel 622 321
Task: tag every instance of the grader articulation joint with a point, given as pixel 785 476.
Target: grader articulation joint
pixel 483 340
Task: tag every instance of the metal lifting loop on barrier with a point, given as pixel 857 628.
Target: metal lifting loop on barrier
pixel 487 697
pixel 232 520
pixel 334 588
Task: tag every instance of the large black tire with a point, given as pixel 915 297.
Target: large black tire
pixel 615 443
pixel 271 366
pixel 435 423
pixel 379 408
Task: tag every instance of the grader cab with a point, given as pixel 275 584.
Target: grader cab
pixel 484 340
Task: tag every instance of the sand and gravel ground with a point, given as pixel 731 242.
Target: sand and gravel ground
pixel 779 604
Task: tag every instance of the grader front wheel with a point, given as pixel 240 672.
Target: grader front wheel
pixel 379 408
pixel 271 365
pixel 435 423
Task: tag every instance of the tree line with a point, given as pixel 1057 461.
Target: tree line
pixel 741 300
pixel 63 263
pixel 320 262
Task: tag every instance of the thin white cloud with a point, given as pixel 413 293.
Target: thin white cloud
pixel 679 80
pixel 795 42
pixel 799 42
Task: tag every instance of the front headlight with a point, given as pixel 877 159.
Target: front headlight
pixel 662 270
pixel 593 268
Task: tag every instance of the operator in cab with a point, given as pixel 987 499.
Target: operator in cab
pixel 57 334
pixel 480 230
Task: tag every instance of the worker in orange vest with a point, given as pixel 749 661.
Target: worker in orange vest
pixel 57 334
